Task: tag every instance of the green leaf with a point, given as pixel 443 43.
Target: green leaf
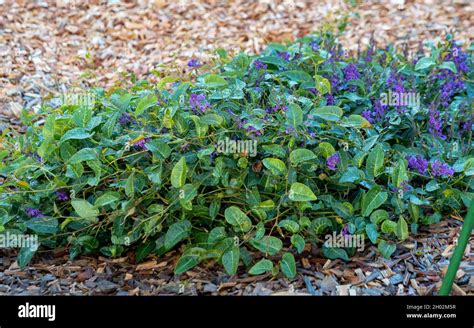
pixel 177 232
pixel 159 149
pixel 275 165
pixel 25 255
pixel 378 216
pixel 212 119
pixel 178 174
pixel 351 175
pixel 75 134
pixel 146 102
pixel 144 250
pixel 399 174
pixel 448 65
pixel 215 81
pixel 238 219
pixel 356 121
pixel 322 85
pixel 298 242
pixel 43 225
pixel 423 63
pixel 372 233
pixel 301 155
pixel 261 267
pixel 85 209
pixel 189 260
pixel 402 229
pixel 335 253
pixel 85 154
pixel 267 244
pixel 294 115
pixel 230 260
pixel 107 199
pixel 277 61
pixel 326 149
pixel 301 193
pixel 130 185
pixel 288 265
pixel 328 113
pixel 388 226
pixel 320 225
pixel 373 199
pixel 289 225
pixel 298 76
pixel 375 162
pixel 386 249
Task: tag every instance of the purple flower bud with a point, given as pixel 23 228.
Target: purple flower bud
pixel 124 119
pixel 62 195
pixel 259 65
pixel 33 212
pixel 332 161
pixel 193 63
pixel 141 144
pixel 284 55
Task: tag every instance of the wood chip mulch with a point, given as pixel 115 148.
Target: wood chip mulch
pixel 46 46
pixel 417 268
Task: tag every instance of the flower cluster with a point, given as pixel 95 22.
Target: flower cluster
pixel 418 163
pixel 125 119
pixel 440 169
pixel 435 124
pixel 198 103
pixel 259 65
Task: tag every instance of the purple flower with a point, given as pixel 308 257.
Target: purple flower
pixel 198 103
pixel 345 231
pixel 38 157
pixel 253 131
pixel 330 100
pixel 351 73
pixel 62 195
pixel 332 161
pixel 418 163
pixel 435 124
pixel 276 108
pixel 395 82
pixel 404 187
pixel 193 63
pixel 33 212
pixel 367 114
pixel 459 58
pixel 441 169
pixel 124 119
pixel 141 144
pixel 259 65
pixel 314 46
pixel 284 55
pixel 451 84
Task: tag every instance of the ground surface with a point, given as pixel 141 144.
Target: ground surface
pixel 46 46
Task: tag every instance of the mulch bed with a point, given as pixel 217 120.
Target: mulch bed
pixel 46 47
pixel 416 268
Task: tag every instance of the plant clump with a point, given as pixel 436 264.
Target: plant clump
pixel 252 160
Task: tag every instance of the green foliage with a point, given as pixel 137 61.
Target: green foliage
pixel 142 169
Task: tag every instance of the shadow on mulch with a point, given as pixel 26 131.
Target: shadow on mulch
pixel 416 268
